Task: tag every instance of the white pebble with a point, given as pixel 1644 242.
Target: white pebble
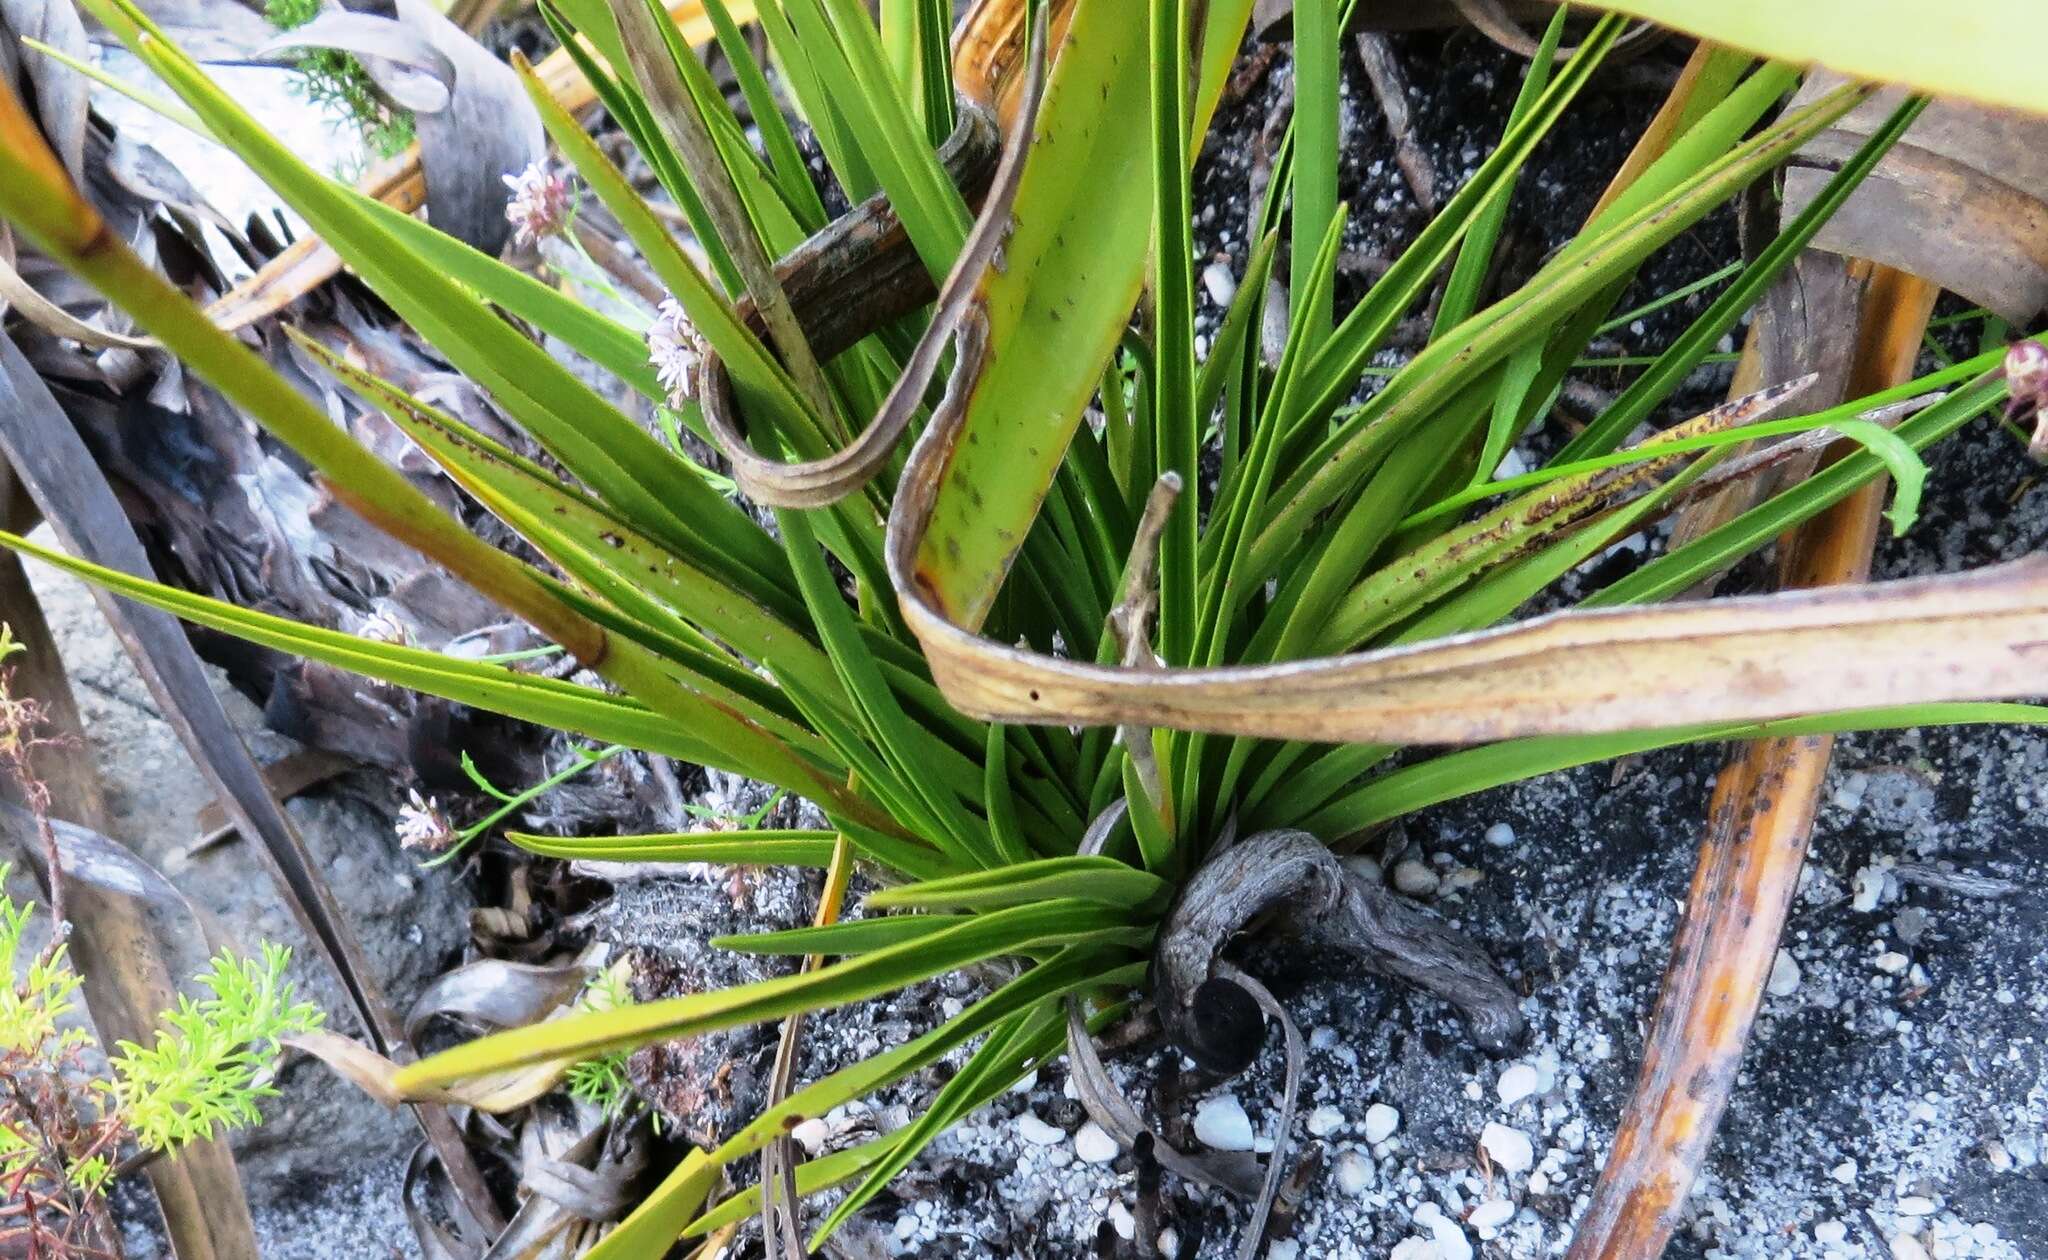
pixel 1491 1214
pixel 1414 878
pixel 1906 1247
pixel 1367 869
pixel 1844 1172
pixel 1891 962
pixel 1414 1249
pixel 1849 795
pixel 1500 836
pixel 1830 1232
pixel 1784 976
pixel 1222 286
pixel 1038 1132
pixel 1355 1173
pixel 1508 1148
pixel 1094 1146
pixel 1451 1243
pixel 1285 1249
pixel 1517 1083
pixel 1169 1242
pixel 1869 883
pixel 1380 1122
pixel 811 1134
pixel 1915 1205
pixel 1221 1125
pixel 1324 1121
pixel 1121 1220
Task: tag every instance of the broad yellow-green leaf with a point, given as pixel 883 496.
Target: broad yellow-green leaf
pixel 1072 268
pixel 1983 50
pixel 660 1218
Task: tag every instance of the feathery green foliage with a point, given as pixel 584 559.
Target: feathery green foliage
pixel 335 79
pixel 209 1067
pixel 214 1055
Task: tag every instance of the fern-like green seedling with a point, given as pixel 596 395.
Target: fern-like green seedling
pixel 31 1006
pixel 214 1058
pixel 329 76
pixel 602 1081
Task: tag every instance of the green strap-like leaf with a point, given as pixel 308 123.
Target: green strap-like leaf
pixel 984 936
pixel 738 848
pixel 855 936
pixel 1100 879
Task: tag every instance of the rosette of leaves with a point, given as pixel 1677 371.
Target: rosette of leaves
pixel 922 644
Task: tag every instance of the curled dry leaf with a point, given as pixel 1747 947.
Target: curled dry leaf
pixel 498 993
pixel 1962 200
pixel 402 60
pixel 1971 636
pixel 871 231
pixel 487 130
pixel 377 1076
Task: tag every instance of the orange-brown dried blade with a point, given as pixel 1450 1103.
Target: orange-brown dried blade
pixel 1758 827
pixel 989 48
pixel 781 1230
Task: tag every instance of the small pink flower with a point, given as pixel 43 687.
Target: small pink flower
pixel 383 626
pixel 673 349
pixel 2026 378
pixel 422 825
pixel 539 204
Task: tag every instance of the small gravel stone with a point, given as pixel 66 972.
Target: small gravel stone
pixel 1910 924
pixel 1844 1172
pixel 1038 1132
pixel 1508 1148
pixel 1830 1232
pixel 1518 1082
pixel 1891 962
pixel 1414 878
pixel 1222 285
pixel 1784 976
pixel 1355 1173
pixel 1906 1247
pixel 811 1134
pixel 1121 1220
pixel 1380 1122
pixel 1869 883
pixel 1451 1243
pixel 1222 1125
pixel 1491 1214
pixel 1414 1249
pixel 1285 1249
pixel 1915 1205
pixel 1324 1121
pixel 1095 1146
pixel 1500 836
